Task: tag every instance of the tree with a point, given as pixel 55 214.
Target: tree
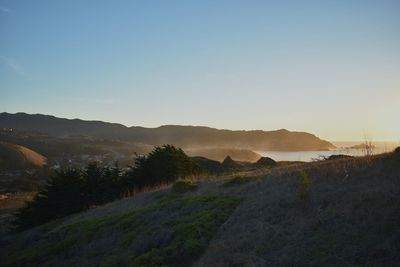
pixel 72 190
pixel 94 184
pixel 61 196
pixel 163 165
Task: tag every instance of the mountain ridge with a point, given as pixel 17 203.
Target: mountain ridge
pixel 180 135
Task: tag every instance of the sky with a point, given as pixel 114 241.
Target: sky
pixel 331 68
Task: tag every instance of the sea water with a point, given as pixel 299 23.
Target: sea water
pixel 341 148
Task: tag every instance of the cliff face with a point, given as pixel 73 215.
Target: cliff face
pixel 182 136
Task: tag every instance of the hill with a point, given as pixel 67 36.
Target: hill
pixel 79 149
pixel 329 213
pixel 16 157
pixel 183 136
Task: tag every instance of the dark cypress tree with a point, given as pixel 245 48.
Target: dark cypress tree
pixel 61 196
pixel 71 190
pixel 163 165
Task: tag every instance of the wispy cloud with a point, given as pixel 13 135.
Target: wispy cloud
pixel 90 100
pixel 15 66
pixel 5 9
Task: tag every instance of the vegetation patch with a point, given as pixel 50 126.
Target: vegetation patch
pixel 172 232
pixel 183 186
pixel 265 162
pixel 230 165
pixel 72 190
pixel 303 190
pixel 339 156
pixel 238 180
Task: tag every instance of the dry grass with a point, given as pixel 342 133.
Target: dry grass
pixel 33 157
pixel 349 218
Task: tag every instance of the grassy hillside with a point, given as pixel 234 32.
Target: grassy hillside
pixel 342 212
pixel 174 231
pixel 14 157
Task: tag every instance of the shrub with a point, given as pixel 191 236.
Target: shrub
pixel 230 165
pixel 238 180
pixel 183 186
pixel 61 196
pixel 338 156
pixel 304 186
pixel 212 166
pixel 265 162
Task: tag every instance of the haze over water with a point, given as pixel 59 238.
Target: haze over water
pixel 341 148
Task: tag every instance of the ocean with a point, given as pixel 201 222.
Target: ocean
pixel 342 148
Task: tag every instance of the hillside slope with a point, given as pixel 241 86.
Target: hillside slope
pixel 15 157
pixel 349 217
pixel 182 136
pixel 341 212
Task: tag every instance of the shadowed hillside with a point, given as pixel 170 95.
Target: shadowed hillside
pixel 182 136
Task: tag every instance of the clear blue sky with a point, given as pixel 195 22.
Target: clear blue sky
pixel 327 67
